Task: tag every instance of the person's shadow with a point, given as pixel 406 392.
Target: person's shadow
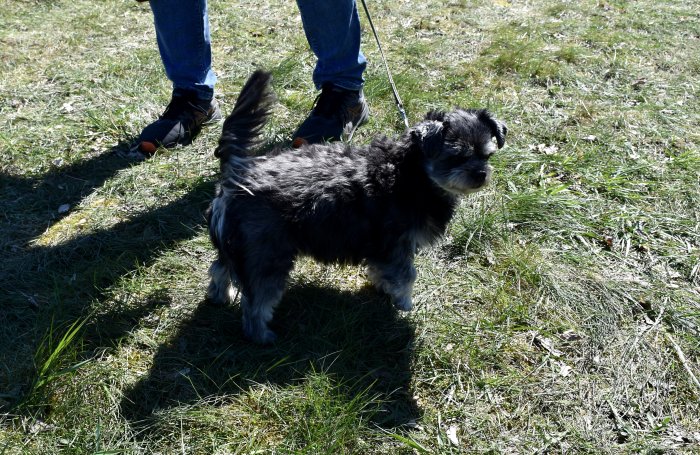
pixel 46 287
pixel 356 338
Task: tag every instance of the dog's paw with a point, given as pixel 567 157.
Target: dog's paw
pixel 262 337
pixel 218 295
pixel 257 331
pixel 403 303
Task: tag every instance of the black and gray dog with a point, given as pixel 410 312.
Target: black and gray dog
pixel 374 204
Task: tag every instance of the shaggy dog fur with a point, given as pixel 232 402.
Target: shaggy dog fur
pixel 373 204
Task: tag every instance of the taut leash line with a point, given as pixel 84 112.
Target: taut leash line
pixel 397 99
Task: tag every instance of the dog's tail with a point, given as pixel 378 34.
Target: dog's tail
pixel 241 130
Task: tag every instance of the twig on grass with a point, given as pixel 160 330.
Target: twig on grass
pixel 622 429
pixel 676 347
pixel 684 361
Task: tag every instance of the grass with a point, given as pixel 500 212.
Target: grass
pixel 561 313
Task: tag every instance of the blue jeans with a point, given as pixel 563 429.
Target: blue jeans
pixel 332 29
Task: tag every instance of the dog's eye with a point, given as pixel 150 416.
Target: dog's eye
pixel 460 149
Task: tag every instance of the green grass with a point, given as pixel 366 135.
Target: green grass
pixel 549 319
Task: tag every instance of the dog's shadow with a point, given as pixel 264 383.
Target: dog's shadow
pixel 356 338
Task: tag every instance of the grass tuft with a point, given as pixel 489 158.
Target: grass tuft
pixel 56 357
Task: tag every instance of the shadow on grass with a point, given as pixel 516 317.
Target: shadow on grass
pixel 357 339
pixel 30 204
pixel 45 287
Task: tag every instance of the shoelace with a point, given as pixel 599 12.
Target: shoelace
pixel 179 106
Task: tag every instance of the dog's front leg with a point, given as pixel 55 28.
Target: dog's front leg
pixel 395 276
pixel 258 304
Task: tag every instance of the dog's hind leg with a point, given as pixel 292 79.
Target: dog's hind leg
pixel 219 291
pixel 262 291
pixel 395 277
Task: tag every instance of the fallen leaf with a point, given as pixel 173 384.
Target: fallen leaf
pixel 40 427
pixel 608 240
pixel 639 83
pixel 564 370
pixel 490 257
pixel 546 149
pixel 414 425
pixel 570 335
pixel 547 344
pixel 452 435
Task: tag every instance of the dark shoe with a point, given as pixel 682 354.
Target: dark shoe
pixel 180 123
pixel 337 114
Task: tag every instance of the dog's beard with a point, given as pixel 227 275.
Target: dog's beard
pixel 459 181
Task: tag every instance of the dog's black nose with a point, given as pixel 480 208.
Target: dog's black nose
pixel 479 178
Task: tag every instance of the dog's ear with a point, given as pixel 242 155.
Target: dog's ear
pixel 497 127
pixel 429 136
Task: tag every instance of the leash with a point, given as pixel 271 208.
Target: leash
pixel 397 98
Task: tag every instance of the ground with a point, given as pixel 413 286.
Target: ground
pixel 561 313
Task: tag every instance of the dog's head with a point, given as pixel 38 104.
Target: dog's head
pixel 457 146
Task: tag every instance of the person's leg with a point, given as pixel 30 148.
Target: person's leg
pixel 333 31
pixel 182 31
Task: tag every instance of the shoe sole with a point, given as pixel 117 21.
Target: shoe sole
pixel 148 148
pixel 345 136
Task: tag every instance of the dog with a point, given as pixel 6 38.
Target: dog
pixel 373 205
